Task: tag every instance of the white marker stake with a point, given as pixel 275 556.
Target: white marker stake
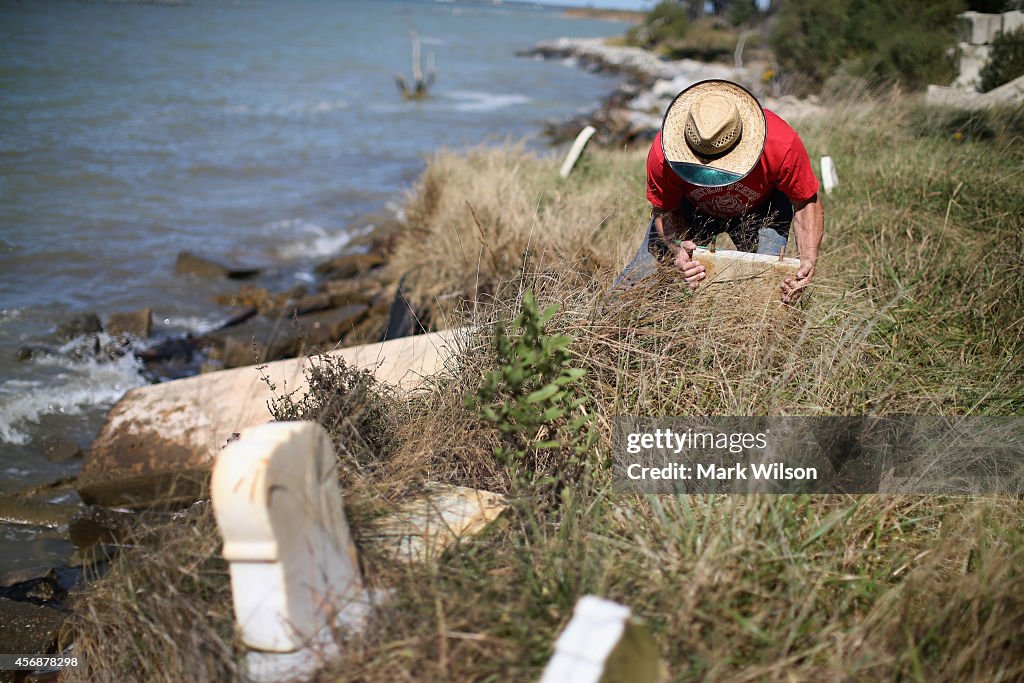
pixel 576 150
pixel 828 174
pixel 294 571
pixel 602 644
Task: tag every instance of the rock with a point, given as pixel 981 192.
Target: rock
pixel 133 324
pixel 17 576
pixel 239 352
pixel 248 295
pixel 343 292
pixel 307 304
pixel 349 265
pixel 190 264
pixel 61 450
pixel 330 326
pixel 86 323
pixel 178 349
pixel 28 629
pixel 39 584
pixel 34 351
pixel 262 340
pixel 95 524
pixel 159 431
pixel 35 513
pixel 240 317
pixel 257 340
pixel 141 482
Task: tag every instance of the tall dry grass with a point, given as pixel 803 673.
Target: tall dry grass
pixel 917 309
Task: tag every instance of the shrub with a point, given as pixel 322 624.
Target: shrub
pixel 531 398
pixel 1006 61
pixel 908 41
pixel 667 22
pixel 351 404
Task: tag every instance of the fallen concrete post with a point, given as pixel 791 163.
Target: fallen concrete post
pixel 761 275
pixel 423 529
pixel 576 150
pixel 604 644
pixel 294 571
pixel 159 442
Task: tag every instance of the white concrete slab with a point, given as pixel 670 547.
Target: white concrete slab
pixel 180 426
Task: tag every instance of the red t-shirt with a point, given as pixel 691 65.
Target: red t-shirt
pixel 784 165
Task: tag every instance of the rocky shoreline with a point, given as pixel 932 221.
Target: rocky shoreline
pixel 348 304
pixel 633 111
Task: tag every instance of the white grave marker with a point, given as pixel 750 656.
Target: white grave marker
pixel 603 644
pixel 576 150
pixel 294 571
pixel 829 179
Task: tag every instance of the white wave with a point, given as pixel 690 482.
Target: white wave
pixel 191 323
pixel 430 40
pixel 77 387
pixel 313 244
pixel 474 101
pixel 298 107
pixel 9 314
pixel 321 107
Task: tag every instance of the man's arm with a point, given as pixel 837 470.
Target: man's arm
pixel 809 227
pixel 672 226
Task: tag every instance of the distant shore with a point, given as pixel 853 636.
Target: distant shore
pixel 623 15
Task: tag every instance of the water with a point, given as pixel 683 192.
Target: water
pixel 255 132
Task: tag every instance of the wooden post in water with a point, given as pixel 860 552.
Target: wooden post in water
pixel 421 83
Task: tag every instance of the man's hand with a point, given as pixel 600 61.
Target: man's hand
pixel 809 226
pixel 693 271
pixel 792 288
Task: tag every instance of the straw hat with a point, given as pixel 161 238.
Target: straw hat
pixel 713 133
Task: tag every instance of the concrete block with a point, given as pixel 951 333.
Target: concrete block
pixel 294 570
pixel 157 432
pixel 759 275
pixel 424 528
pixel 977 28
pixel 1012 20
pixel 603 644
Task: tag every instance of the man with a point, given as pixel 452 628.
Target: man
pixel 721 163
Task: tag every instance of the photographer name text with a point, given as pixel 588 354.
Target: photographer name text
pixel 774 471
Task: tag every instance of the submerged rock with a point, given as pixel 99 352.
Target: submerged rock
pixel 28 629
pixel 262 339
pixel 80 325
pixel 94 524
pixel 191 264
pixel 35 513
pixel 61 450
pixel 349 265
pixel 133 324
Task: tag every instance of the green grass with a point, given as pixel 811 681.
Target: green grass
pixel 917 309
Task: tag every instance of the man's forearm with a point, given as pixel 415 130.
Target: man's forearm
pixel 809 226
pixel 669 225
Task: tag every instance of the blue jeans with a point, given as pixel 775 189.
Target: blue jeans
pixel 764 229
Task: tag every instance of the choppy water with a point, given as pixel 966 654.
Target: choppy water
pixel 257 132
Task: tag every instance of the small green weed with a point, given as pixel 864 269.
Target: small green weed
pixel 533 398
